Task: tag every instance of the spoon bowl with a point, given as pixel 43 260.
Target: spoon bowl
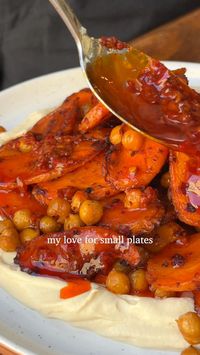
pixel 89 50
pixel 136 88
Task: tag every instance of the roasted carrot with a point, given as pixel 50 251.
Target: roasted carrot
pixel 185 187
pixel 126 168
pixel 97 115
pixel 12 201
pixel 85 251
pixel 66 117
pixel 125 220
pixel 177 266
pixel 48 159
pixel 89 177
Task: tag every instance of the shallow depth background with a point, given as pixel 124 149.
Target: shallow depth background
pixel 34 41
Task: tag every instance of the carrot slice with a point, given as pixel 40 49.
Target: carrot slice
pixel 97 115
pixel 65 118
pixel 126 168
pixel 176 267
pixel 185 187
pixel 125 220
pixel 12 201
pixel 89 177
pixel 85 251
pixel 48 159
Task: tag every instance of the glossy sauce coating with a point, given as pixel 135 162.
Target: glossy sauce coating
pixel 148 95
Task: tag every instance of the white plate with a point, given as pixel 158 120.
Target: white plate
pixel 22 329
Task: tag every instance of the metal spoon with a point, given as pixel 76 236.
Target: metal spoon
pixel 100 64
pixel 89 48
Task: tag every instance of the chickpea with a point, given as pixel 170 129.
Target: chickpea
pixel 132 140
pixel 118 282
pixel 166 234
pixel 9 240
pixel 6 223
pixel 72 221
pixel 22 219
pixel 165 180
pixel 116 135
pixel 90 212
pixel 122 266
pixel 25 147
pixel 2 129
pixel 59 208
pixel 189 326
pixel 77 199
pixel 133 199
pixel 190 351
pixel 159 293
pixel 28 234
pixel 138 280
pixel 49 225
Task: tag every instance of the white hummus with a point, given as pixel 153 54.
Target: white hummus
pixel 139 321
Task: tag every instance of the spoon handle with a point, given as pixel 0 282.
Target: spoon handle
pixel 70 19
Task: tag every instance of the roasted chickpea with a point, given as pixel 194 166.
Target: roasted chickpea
pixel 118 282
pixel 189 326
pixel 28 234
pixel 22 219
pixel 6 223
pixel 49 225
pixel 165 180
pixel 25 147
pixel 9 240
pixel 59 208
pixel 116 135
pixel 159 293
pixel 2 129
pixel 78 198
pixel 90 212
pixel 72 221
pixel 190 351
pixel 133 199
pixel 132 140
pixel 138 280
pixel 122 266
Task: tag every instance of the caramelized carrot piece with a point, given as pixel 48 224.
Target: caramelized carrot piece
pixel 48 159
pixel 12 201
pixel 185 187
pixel 125 220
pixel 92 254
pixel 65 118
pixel 89 177
pixel 126 168
pixel 177 266
pixel 94 117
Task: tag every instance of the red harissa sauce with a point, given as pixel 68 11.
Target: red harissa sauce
pixel 75 288
pixel 148 95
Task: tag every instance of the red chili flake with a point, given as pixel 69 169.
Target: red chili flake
pixel 113 43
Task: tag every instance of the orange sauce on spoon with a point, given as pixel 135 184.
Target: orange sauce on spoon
pixel 148 95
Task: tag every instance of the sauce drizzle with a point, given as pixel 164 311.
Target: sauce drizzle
pixel 75 288
pixel 148 95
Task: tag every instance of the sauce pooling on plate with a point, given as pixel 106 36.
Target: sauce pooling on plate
pixel 148 95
